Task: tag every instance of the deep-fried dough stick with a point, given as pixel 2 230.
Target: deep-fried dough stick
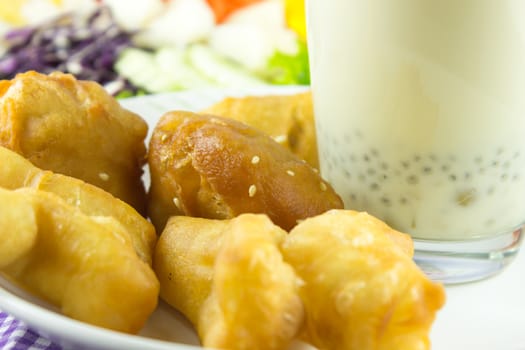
pixel 75 128
pixel 362 290
pixel 229 279
pixel 85 265
pixel 17 172
pixel 219 168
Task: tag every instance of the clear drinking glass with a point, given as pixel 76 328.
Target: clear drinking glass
pixel 420 112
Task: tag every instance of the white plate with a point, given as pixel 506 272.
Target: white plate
pixel 484 315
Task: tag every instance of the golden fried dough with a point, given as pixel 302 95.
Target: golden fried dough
pixel 17 172
pixel 228 277
pixel 213 167
pixel 289 119
pixel 85 265
pixel 18 216
pixel 75 128
pixel 361 288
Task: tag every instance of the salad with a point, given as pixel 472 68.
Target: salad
pixel 150 46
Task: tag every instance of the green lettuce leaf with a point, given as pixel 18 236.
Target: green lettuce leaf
pixel 284 69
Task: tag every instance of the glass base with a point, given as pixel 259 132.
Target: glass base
pixel 454 262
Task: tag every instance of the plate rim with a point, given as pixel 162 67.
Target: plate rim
pixel 67 331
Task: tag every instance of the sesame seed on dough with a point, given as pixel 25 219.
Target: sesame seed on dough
pixel 252 190
pixel 280 138
pixel 163 138
pixel 256 160
pixel 323 186
pixel 103 176
pixel 290 172
pixel 176 201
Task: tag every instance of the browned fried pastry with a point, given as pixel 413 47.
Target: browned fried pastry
pixel 289 119
pixel 228 277
pixel 213 167
pixel 361 288
pixel 75 128
pixel 17 172
pixel 86 265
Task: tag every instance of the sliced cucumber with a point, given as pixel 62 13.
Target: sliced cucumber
pixel 136 65
pixel 218 69
pixel 139 67
pixel 171 69
pixel 173 63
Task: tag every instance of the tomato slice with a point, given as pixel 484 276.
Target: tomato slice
pixel 223 8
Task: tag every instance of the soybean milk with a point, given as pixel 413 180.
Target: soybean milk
pixel 420 111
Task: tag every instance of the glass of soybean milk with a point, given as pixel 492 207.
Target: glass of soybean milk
pixel 420 114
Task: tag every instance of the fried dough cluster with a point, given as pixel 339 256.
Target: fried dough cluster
pixel 214 167
pixel 224 192
pixel 75 128
pixel 340 280
pixel 288 119
pixel 229 278
pixel 76 246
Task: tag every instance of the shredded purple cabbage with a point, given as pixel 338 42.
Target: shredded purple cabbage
pixel 86 47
